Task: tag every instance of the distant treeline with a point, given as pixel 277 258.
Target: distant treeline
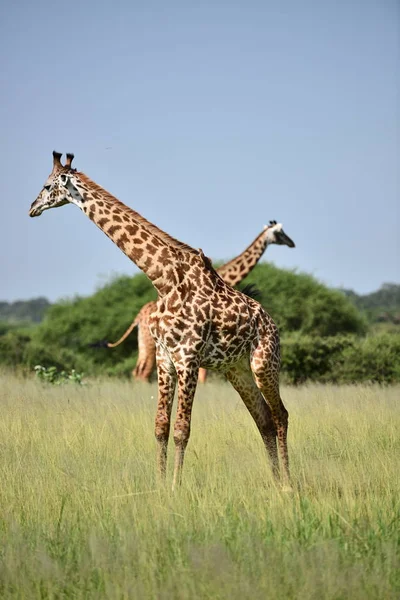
pixel 382 305
pixel 326 335
pixel 24 310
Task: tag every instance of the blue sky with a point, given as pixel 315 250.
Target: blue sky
pixel 210 119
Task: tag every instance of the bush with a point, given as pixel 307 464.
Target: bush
pixel 63 339
pixel 55 377
pixel 298 302
pixel 341 359
pixel 319 326
pixel 37 352
pixel 307 358
pixel 13 345
pixel 374 359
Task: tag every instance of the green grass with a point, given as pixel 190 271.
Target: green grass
pixel 82 515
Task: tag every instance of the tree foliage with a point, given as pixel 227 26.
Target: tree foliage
pixel 71 326
pixel 341 359
pixel 298 302
pixel 380 306
pixel 24 310
pixel 321 331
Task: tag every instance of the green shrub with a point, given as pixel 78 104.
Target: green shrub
pixel 37 352
pixel 307 358
pixel 55 377
pixel 374 359
pixel 65 336
pixel 341 359
pixel 319 327
pixel 298 302
pixel 13 345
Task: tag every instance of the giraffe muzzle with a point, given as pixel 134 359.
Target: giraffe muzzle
pixel 34 211
pixel 285 240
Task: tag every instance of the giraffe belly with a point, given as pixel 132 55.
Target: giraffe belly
pixel 217 338
pixel 224 353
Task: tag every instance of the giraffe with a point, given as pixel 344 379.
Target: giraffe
pixel 232 272
pixel 200 320
pixel 146 345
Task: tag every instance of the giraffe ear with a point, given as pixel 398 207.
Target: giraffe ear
pixel 70 158
pixel 56 160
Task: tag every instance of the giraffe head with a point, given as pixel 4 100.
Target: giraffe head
pixel 276 235
pixel 61 187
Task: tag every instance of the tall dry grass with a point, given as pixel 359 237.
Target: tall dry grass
pixel 82 515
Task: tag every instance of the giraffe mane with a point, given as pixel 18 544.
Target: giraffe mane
pixel 138 217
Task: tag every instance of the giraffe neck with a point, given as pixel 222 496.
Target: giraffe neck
pixel 234 271
pixel 163 258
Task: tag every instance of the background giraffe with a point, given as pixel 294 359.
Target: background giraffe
pixel 200 320
pixel 233 272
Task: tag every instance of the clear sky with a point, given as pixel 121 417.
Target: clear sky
pixel 209 118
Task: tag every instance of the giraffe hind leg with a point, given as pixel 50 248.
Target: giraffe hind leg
pixel 144 368
pixel 242 380
pixel 202 375
pixel 147 351
pixel 266 377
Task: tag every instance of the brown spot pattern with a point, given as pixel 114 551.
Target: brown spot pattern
pixel 198 321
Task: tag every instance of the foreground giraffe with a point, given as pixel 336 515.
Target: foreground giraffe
pixel 200 320
pixel 233 272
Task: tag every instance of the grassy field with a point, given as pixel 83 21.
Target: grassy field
pixel 81 514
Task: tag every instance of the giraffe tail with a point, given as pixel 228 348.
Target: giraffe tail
pixel 105 344
pixel 127 333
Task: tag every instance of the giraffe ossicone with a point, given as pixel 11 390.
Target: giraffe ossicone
pixel 200 320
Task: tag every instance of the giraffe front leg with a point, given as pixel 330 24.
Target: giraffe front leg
pixel 166 390
pixel 187 382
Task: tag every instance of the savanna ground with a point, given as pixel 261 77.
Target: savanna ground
pixel 82 515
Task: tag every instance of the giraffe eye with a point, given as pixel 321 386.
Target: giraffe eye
pixel 64 179
pixel 47 188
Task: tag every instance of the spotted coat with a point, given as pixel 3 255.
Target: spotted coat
pixel 199 320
